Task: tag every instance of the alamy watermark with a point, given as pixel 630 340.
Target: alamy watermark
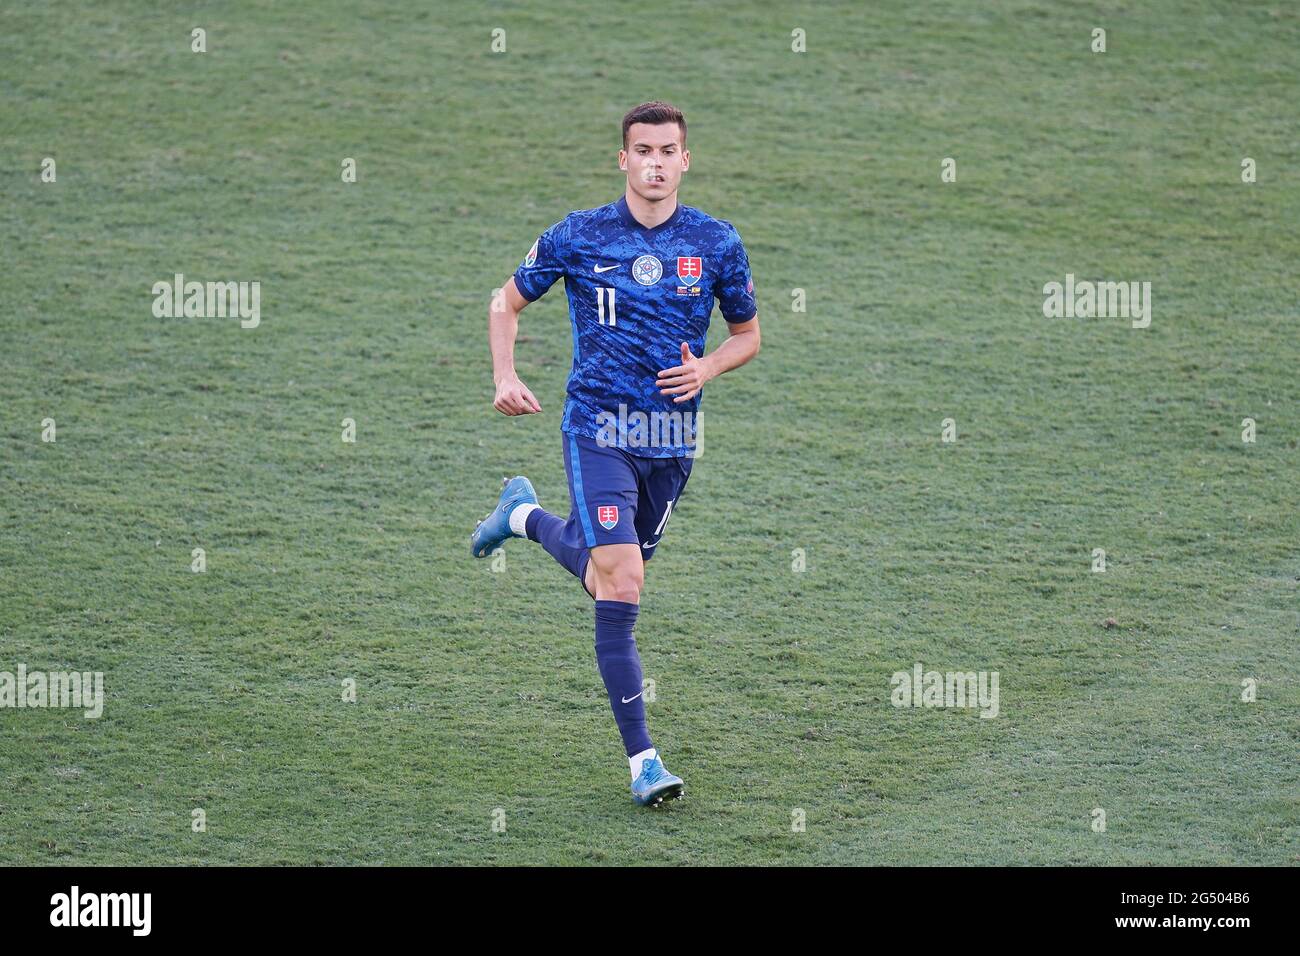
pixel 1103 300
pixel 208 300
pixel 39 689
pixel 922 688
pixel 624 429
pixel 75 908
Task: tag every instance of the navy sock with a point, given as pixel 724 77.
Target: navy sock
pixel 620 669
pixel 545 528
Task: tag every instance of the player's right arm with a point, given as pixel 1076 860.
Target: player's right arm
pixel 541 268
pixel 513 396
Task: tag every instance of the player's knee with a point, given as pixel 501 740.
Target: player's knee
pixel 624 582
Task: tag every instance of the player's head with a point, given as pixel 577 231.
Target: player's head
pixel 654 152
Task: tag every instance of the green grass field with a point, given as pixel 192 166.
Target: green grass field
pixel 478 697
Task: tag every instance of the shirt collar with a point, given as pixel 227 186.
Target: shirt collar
pixel 630 220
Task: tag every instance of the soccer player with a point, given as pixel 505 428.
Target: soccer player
pixel 641 275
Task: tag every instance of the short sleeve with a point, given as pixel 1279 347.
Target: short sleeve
pixel 545 262
pixel 735 290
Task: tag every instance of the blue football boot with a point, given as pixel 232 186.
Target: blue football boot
pixel 656 784
pixel 495 528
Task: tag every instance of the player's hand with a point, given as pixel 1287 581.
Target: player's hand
pixel 685 380
pixel 514 398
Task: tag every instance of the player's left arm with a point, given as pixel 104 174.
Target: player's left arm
pixel 735 294
pixel 685 381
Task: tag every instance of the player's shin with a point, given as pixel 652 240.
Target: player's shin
pixel 620 669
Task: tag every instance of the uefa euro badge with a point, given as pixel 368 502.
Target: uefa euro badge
pixel 689 269
pixel 647 270
pixel 607 515
pixel 531 257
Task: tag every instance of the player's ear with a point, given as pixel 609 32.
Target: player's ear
pixel 622 160
pixel 686 160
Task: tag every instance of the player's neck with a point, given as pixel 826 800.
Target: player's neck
pixel 650 214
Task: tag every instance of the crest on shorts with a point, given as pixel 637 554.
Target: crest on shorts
pixel 689 269
pixel 607 515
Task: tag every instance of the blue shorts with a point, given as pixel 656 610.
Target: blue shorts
pixel 618 497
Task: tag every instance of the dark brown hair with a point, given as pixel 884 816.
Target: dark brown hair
pixel 654 112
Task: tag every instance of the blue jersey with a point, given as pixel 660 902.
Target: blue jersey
pixel 635 295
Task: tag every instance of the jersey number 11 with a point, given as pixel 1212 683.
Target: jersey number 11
pixel 605 314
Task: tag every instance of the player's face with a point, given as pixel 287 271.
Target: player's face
pixel 654 160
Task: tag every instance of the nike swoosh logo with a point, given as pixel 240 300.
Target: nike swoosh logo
pixel 646 545
pixel 604 269
pixel 628 700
